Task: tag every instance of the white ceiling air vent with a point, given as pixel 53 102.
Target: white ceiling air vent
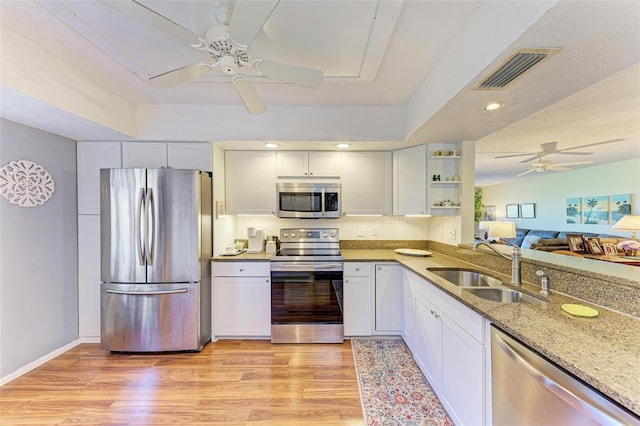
pixel 516 65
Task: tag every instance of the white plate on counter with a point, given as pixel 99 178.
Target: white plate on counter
pixel 235 253
pixel 413 252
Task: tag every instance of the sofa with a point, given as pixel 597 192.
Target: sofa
pixel 550 240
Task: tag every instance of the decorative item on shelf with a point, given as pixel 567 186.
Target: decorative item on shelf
pixel 592 244
pixel 630 247
pixel 630 222
pixel 455 178
pixel 576 243
pixel 436 178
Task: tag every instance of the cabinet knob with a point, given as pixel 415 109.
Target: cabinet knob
pixel 310 173
pixel 305 173
pixel 357 269
pixel 435 314
pixel 346 281
pixel 266 281
pixel 241 270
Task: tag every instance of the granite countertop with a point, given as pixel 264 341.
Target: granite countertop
pixel 603 351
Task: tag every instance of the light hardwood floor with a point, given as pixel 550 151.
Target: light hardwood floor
pixel 231 382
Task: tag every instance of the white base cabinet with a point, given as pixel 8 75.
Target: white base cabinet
pixel 450 350
pixel 358 299
pixel 388 301
pixel 241 299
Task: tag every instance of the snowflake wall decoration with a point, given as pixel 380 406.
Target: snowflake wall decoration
pixel 25 183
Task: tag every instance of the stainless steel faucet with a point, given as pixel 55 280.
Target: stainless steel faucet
pixel 515 258
pixel 544 282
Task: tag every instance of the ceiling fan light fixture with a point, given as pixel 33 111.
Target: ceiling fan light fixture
pixel 492 106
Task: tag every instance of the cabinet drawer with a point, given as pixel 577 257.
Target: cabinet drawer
pixel 357 269
pixel 241 269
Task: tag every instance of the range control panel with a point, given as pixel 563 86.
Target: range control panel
pixel 315 235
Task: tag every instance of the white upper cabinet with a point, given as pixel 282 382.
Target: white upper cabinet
pixel 410 181
pixel 250 182
pixel 308 164
pixel 366 183
pixel 91 157
pixel 189 156
pixel 176 155
pixel 144 155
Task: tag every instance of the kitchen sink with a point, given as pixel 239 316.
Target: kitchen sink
pixel 466 277
pixel 503 295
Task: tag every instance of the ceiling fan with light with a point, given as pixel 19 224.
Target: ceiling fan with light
pixel 552 148
pixel 227 44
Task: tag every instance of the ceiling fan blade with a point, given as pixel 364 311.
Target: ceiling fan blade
pixel 513 155
pixel 553 168
pixel 531 158
pixel 574 153
pixel 592 144
pixel 526 173
pixel 151 18
pixel 248 94
pixel 570 163
pixel 180 75
pixel 247 20
pixel 548 147
pixel 307 77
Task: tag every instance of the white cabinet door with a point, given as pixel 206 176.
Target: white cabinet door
pixel 250 182
pixel 308 164
pixel 388 290
pixel 408 307
pixel 89 275
pixel 293 163
pixel 410 181
pixel 366 183
pixel 428 342
pixel 242 307
pixel 189 156
pixel 463 373
pixel 91 157
pixel 144 155
pixel 358 299
pixel 324 164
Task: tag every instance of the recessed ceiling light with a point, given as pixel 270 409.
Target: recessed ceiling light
pixel 343 145
pixel 271 145
pixel 492 106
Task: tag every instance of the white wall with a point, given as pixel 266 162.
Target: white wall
pixel 38 246
pixel 549 191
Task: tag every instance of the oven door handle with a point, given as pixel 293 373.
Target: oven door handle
pixel 298 266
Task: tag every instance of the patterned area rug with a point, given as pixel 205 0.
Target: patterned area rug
pixel 392 387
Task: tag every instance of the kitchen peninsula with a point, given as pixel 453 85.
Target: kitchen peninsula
pixel 601 351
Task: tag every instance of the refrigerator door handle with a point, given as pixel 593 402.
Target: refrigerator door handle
pixel 139 211
pixel 150 215
pixel 148 293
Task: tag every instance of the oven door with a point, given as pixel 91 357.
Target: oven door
pixel 306 304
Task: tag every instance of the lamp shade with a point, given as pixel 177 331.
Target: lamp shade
pixel 630 222
pixel 502 230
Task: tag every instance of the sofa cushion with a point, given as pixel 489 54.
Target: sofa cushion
pixel 543 234
pixel 552 242
pixel 563 234
pixel 529 240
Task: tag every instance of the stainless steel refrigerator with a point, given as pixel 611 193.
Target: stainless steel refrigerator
pixel 156 244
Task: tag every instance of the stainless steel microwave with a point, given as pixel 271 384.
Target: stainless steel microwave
pixel 308 200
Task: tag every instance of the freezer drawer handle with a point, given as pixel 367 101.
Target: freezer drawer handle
pixel 574 398
pixel 148 293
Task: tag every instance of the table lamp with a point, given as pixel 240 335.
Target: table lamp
pixel 502 230
pixel 484 226
pixel 629 222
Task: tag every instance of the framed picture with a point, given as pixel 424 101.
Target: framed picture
pixel 489 212
pixel 513 210
pixel 574 210
pixel 576 243
pixel 609 249
pixel 593 246
pixel 528 210
pixel 595 210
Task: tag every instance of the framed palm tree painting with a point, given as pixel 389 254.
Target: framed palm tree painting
pixel 595 210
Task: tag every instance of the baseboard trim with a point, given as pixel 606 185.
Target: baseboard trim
pixel 38 362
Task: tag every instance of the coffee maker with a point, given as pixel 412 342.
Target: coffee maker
pixel 256 240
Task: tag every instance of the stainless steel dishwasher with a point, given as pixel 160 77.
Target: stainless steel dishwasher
pixel 527 389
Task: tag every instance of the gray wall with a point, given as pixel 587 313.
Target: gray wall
pixel 38 253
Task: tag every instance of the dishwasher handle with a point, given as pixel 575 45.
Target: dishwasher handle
pixel 573 397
